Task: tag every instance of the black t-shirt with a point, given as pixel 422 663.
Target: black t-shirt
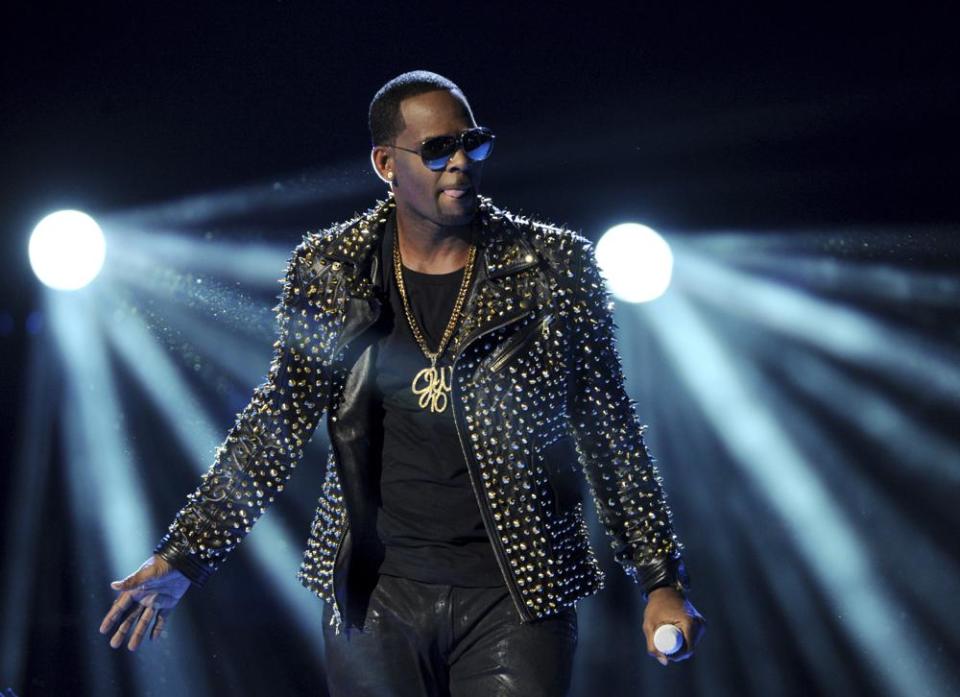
pixel 429 520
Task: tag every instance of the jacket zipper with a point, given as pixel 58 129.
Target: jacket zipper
pixel 498 551
pixel 337 619
pixel 542 326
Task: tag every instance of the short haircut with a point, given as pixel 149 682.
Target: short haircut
pixel 385 119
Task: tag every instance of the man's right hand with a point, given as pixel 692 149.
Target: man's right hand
pixel 148 594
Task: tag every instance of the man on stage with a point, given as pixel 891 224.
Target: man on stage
pixel 465 360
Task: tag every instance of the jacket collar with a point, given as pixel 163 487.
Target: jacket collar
pixel 503 252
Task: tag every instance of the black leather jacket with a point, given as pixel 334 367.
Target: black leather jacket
pixel 538 400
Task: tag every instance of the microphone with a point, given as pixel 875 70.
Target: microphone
pixel 668 638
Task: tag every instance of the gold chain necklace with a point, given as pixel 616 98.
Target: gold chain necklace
pixel 432 385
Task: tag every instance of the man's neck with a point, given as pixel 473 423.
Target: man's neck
pixel 430 248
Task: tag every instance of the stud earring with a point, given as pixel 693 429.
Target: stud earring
pixel 389 175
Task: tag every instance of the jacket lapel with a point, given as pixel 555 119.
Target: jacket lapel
pixel 505 286
pixel 503 291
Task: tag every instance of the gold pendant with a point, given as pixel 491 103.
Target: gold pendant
pixel 433 385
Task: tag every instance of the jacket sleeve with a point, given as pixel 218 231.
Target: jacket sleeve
pixel 623 479
pixel 265 443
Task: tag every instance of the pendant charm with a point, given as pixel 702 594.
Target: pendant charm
pixel 433 385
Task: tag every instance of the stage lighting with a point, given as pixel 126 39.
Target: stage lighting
pixel 637 262
pixel 67 250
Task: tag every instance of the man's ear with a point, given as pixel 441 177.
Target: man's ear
pixel 382 163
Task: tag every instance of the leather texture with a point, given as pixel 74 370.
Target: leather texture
pixel 431 640
pixel 538 399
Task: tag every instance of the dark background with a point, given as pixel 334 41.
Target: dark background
pixel 753 118
pixel 698 117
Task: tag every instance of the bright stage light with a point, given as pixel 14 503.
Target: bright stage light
pixel 637 262
pixel 67 249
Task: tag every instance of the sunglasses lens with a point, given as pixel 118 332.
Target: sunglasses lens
pixel 481 152
pixel 478 144
pixel 436 152
pixel 436 164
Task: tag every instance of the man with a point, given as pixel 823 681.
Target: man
pixel 465 360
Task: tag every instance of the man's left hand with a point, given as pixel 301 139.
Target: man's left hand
pixel 668 606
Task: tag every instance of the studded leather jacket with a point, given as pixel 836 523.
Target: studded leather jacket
pixel 538 401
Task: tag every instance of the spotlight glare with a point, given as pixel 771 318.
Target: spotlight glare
pixel 637 262
pixel 67 250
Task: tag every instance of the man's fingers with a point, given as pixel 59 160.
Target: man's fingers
pixel 124 627
pixel 685 629
pixel 124 584
pixel 141 628
pixel 119 605
pixel 134 591
pixel 648 631
pixel 131 581
pixel 692 632
pixel 159 624
pixel 661 658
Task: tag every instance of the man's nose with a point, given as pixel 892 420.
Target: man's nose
pixel 459 159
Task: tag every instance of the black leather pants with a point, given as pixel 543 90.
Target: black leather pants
pixel 433 640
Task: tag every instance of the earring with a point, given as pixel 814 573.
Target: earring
pixel 389 175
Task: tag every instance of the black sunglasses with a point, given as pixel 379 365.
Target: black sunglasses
pixel 436 152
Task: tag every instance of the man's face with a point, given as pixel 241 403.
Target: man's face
pixel 446 197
